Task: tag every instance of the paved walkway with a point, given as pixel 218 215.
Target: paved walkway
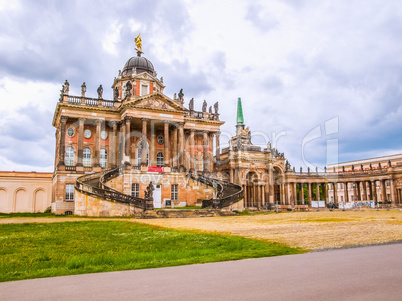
pixel 367 273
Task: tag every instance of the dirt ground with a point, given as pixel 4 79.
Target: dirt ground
pixel 307 230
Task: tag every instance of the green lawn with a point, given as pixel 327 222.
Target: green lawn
pixel 54 249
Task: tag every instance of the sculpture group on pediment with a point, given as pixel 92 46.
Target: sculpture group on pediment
pixel 129 86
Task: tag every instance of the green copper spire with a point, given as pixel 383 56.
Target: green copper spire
pixel 240 119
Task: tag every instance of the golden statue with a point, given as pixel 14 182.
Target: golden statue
pixel 138 43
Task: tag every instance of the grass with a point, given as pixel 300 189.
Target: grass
pixel 29 214
pixel 54 249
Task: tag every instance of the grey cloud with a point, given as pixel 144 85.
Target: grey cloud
pixel 265 23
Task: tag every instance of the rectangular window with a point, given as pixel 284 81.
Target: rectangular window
pixel 175 192
pixel 341 198
pixel 144 90
pixel 69 192
pixel 135 190
pixel 387 183
pixel 352 198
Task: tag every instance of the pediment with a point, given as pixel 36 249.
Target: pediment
pixel 154 104
pixel 158 102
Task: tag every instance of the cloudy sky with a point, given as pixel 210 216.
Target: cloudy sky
pixel 321 80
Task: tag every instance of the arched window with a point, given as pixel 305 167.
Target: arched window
pixel 160 160
pixel 86 157
pixel 103 158
pixel 69 157
pixel 140 153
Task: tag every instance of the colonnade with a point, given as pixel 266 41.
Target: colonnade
pixel 180 147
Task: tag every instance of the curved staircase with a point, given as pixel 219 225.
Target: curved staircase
pixel 95 185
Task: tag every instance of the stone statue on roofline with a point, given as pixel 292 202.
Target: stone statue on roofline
pixel 100 92
pixel 210 109
pixel 116 93
pixel 83 89
pixel 216 107
pixel 204 106
pixel 191 104
pixel 181 95
pixel 66 87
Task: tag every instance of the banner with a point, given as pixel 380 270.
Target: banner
pixel 155 169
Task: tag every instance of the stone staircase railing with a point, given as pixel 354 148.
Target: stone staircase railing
pixel 226 193
pixel 94 185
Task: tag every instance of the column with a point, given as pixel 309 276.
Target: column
pixel 325 192
pixel 358 197
pixel 181 144
pixel 97 143
pixel 127 140
pixel 392 191
pixel 309 196
pixel 120 152
pixel 383 191
pixel 258 197
pixel 355 191
pixel 335 193
pixel 205 151
pixel 81 122
pixel 167 143
pixel 62 146
pixel 112 145
pixel 211 153
pixel 295 193
pixel 217 150
pixel 282 193
pixel 288 199
pixel 374 191
pixel 245 195
pixel 345 192
pixel 263 195
pixel 231 175
pixel 270 184
pixel 301 193
pixel 317 191
pixel 174 156
pixel 144 142
pixel 151 155
pixel 364 190
pixel 192 154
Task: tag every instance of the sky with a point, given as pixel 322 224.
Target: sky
pixel 320 80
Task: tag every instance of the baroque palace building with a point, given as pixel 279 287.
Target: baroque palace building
pixel 143 150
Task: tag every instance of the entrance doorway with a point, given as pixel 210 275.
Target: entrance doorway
pixel 157 196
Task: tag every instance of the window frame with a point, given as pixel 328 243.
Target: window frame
pixel 87 161
pixel 69 156
pixel 174 192
pixel 160 159
pixel 69 195
pixel 103 157
pixel 135 190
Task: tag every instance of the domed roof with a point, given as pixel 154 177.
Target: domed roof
pixel 138 64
